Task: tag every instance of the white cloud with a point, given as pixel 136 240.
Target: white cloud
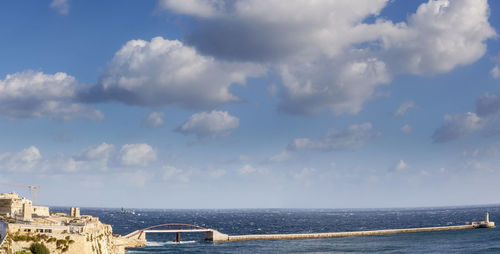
pixel 249 169
pixel 439 36
pixel 341 86
pixel 154 120
pixel 60 6
pixel 91 158
pixel 137 154
pixel 495 72
pixel 280 157
pixel 334 140
pixel 327 57
pixel 404 107
pixel 35 94
pixel 100 152
pixel 216 123
pixel 457 126
pixel 406 128
pixel 201 8
pixel 29 154
pixel 26 160
pixel 401 165
pixel 171 173
pixel 490 151
pixel 273 29
pixel 166 72
pixel 488 105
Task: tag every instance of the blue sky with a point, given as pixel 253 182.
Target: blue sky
pixel 251 103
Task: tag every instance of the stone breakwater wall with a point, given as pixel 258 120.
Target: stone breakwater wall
pixel 339 234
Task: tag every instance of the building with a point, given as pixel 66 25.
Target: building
pixel 11 205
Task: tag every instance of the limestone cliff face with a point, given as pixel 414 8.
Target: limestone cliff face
pixel 96 238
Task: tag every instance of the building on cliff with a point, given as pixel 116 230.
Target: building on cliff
pixel 11 205
pixel 21 224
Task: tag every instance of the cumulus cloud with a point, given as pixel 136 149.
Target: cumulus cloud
pixel 326 54
pixel 495 72
pixel 166 72
pixel 91 157
pixel 154 120
pixel 337 140
pixel 280 157
pixel 249 169
pixel 214 124
pixel 488 105
pixel 441 35
pixel 31 94
pixel 171 173
pixel 406 128
pixel 401 165
pixel 137 154
pixel 404 107
pixel 22 161
pixel 100 152
pixel 60 6
pixel 342 86
pixel 273 30
pixel 201 8
pixel 457 126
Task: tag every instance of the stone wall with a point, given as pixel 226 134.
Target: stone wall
pixel 41 211
pixel 342 234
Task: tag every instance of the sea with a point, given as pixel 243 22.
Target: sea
pixel 276 221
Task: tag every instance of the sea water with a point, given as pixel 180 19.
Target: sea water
pixel 276 221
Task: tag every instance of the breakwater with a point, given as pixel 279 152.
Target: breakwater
pixel 216 236
pixel 337 234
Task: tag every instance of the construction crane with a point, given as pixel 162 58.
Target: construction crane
pixel 30 187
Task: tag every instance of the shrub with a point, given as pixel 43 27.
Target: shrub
pixel 60 242
pixel 39 248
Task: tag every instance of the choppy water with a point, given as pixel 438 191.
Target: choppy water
pixel 269 221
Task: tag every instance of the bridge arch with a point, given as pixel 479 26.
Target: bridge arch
pixel 175 227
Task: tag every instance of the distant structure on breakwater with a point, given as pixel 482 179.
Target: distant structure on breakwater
pixel 216 236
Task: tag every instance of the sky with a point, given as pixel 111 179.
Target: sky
pixel 251 103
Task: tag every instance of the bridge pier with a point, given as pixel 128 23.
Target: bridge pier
pixel 216 236
pixel 178 237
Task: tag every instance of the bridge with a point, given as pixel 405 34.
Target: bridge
pixel 177 228
pixel 138 237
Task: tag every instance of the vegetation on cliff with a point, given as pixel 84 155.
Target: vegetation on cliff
pixel 39 248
